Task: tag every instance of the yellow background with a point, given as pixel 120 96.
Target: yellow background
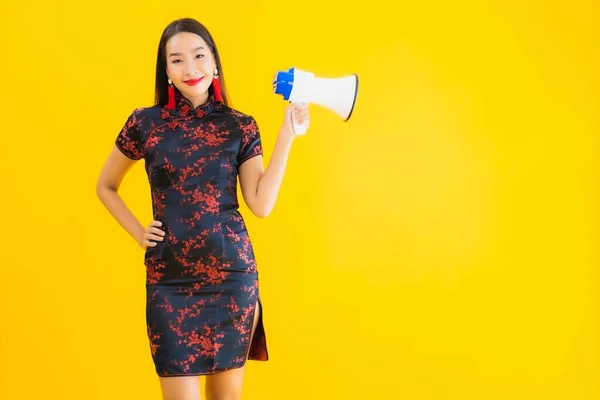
pixel 442 244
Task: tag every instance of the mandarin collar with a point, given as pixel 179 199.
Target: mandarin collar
pixel 185 108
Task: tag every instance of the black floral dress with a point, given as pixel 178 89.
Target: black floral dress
pixel 202 280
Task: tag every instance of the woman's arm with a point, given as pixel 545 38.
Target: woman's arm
pixel 260 187
pixel 111 176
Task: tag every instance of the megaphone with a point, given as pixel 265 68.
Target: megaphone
pixel 336 94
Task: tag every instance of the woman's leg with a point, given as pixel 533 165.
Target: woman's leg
pixel 227 385
pixel 180 387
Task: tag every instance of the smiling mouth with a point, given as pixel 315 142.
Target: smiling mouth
pixel 193 82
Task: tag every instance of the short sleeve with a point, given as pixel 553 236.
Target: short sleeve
pixel 251 143
pixel 129 140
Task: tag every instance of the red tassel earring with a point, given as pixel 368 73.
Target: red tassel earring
pixel 217 86
pixel 171 103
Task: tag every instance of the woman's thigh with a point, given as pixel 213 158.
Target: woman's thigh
pixel 180 387
pixel 228 384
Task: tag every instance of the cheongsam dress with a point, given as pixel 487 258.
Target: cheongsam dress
pixel 202 279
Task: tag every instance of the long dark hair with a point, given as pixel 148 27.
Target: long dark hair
pixel 183 25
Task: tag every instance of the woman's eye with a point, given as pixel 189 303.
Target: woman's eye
pixel 197 56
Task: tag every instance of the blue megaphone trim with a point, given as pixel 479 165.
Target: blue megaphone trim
pixel 283 83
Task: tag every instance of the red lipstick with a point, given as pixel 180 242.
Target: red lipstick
pixel 193 82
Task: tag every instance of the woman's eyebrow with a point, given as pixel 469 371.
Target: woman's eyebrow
pixel 193 51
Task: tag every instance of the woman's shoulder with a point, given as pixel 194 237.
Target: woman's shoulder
pixel 153 111
pixel 142 113
pixel 241 116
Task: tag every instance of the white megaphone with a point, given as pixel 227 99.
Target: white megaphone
pixel 335 94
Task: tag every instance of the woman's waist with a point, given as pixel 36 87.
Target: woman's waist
pixel 185 223
pixel 209 209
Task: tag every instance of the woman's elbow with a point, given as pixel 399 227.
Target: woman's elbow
pixel 102 188
pixel 261 212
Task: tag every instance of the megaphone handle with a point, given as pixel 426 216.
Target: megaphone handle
pixel 299 129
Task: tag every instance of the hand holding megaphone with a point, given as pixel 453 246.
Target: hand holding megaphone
pixel 301 87
pixel 299 117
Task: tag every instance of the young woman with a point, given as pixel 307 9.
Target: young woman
pixel 203 308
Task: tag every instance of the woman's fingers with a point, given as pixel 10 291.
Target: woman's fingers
pixel 156 231
pixel 300 113
pixel 152 228
pixel 154 237
pixel 151 240
pixel 153 234
pixel 301 119
pixel 297 114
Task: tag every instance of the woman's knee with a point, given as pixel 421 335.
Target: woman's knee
pixel 224 395
pixel 231 390
pixel 225 385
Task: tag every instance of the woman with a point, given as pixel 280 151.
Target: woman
pixel 203 309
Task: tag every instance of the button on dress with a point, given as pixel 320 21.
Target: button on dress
pixel 202 279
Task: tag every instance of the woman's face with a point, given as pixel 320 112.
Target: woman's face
pixel 189 59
